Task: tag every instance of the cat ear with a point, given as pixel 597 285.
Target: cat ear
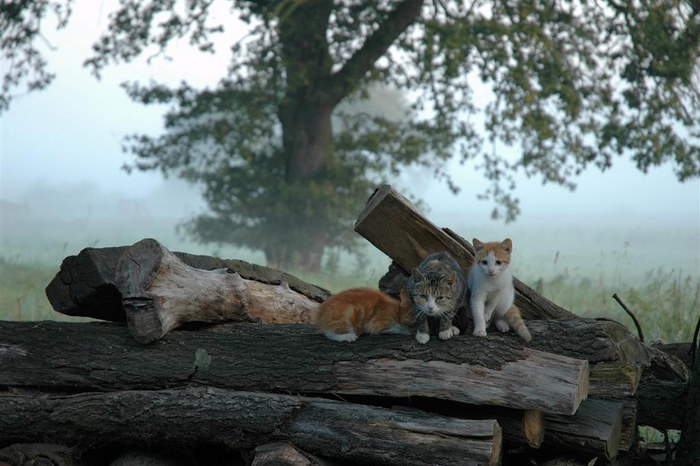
pixel 417 276
pixel 507 245
pixel 452 277
pixel 478 245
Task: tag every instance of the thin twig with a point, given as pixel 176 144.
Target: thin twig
pixel 631 314
pixel 694 346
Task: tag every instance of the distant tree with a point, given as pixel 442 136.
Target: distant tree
pixel 285 169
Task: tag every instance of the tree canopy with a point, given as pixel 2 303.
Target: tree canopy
pixel 286 164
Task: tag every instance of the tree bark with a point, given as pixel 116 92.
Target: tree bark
pixel 617 357
pixel 246 419
pixel 291 358
pixel 160 292
pixel 85 284
pixel 395 226
pixel 660 395
pixel 284 454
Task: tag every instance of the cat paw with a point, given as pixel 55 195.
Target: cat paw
pixel 350 337
pixel 422 338
pixel 449 333
pixel 480 332
pixel 502 326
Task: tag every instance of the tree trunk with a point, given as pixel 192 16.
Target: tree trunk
pixel 160 292
pixel 291 358
pixel 85 284
pixel 245 419
pixel 394 225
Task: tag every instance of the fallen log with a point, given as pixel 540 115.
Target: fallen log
pixel 160 292
pixel 617 357
pixel 594 429
pixel 246 419
pixel 291 358
pixel 395 226
pixel 85 286
pixel 660 396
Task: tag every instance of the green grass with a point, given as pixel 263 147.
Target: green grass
pixel 667 304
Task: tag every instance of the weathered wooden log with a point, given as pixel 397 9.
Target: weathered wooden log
pixel 521 428
pixel 395 226
pixel 594 429
pixel 39 454
pixel 245 419
pixel 617 357
pixel 85 286
pixel 660 395
pixel 284 454
pixel 689 445
pixel 291 358
pixel 160 292
pixel 682 351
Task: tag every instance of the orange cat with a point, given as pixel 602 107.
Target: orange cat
pixel 351 313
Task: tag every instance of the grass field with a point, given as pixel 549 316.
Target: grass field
pixel 667 303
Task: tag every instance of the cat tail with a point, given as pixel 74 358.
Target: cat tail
pixel 517 324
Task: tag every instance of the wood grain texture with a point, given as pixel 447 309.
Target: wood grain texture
pixel 291 358
pixel 395 226
pixel 595 429
pixel 160 292
pixel 85 285
pixel 239 419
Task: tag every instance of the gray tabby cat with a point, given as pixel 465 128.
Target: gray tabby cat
pixel 436 289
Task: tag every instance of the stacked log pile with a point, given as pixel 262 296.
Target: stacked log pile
pixel 258 385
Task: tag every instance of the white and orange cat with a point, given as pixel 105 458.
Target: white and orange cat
pixel 492 292
pixel 347 315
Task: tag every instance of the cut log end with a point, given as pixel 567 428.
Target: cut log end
pixel 143 320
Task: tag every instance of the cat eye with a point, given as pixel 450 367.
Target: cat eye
pixel 485 262
pixel 498 262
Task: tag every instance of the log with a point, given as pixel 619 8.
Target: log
pixel 40 454
pixel 245 419
pixel 85 286
pixel 617 357
pixel 160 292
pixel 660 396
pixel 291 358
pixel 594 429
pixel 689 445
pixel 395 226
pixel 284 454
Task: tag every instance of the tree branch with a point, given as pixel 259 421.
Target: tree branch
pixel 342 82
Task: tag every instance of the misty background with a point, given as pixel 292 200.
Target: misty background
pixel 63 187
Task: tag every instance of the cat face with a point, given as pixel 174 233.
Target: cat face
pixel 431 295
pixel 492 258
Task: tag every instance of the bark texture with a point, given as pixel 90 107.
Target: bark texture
pixel 246 419
pixel 291 358
pixel 85 284
pixel 160 292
